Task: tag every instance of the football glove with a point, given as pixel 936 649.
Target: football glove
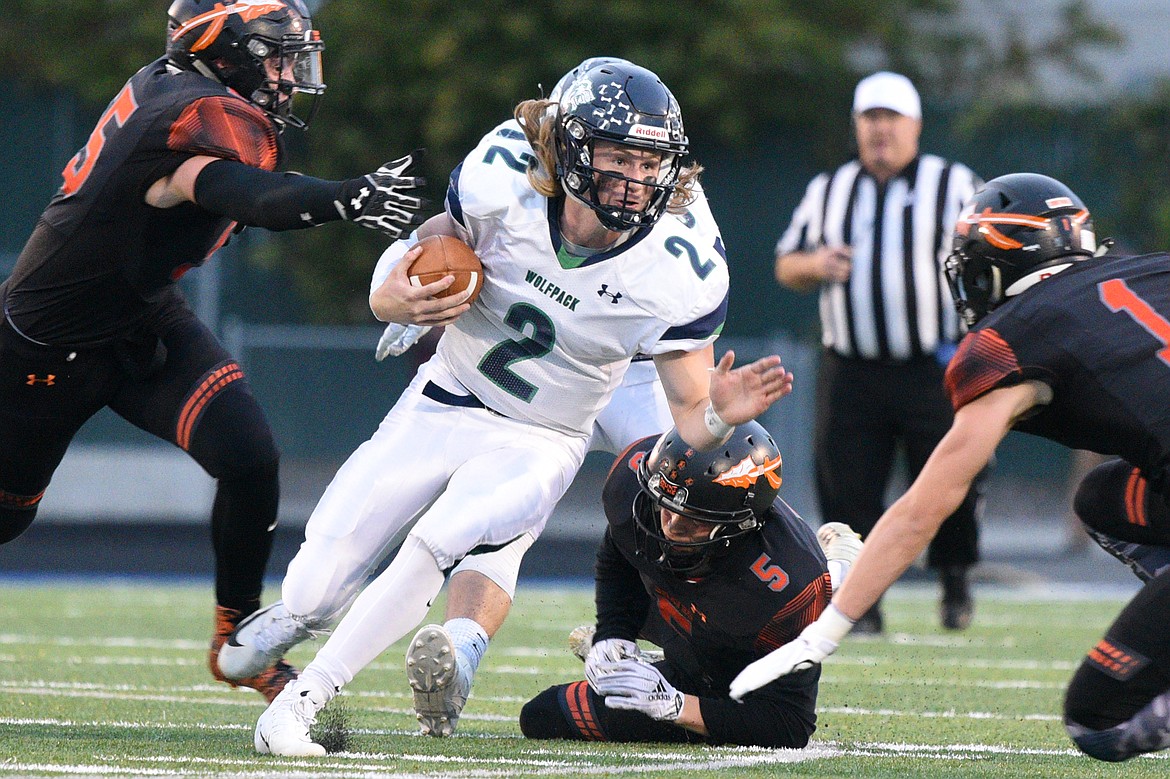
pixel 815 643
pixel 636 686
pixel 841 546
pixel 397 338
pixel 581 641
pixel 839 542
pixel 384 200
pixel 604 654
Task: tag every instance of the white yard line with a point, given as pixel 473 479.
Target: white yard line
pixel 534 762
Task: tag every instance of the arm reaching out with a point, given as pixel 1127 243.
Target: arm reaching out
pixel 905 529
pixel 708 402
pixel 812 646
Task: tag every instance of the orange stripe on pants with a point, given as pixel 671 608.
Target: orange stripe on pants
pixel 1135 499
pixel 577 696
pixel 211 386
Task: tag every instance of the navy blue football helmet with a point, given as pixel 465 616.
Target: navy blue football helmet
pixel 618 102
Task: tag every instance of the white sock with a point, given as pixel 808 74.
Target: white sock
pixel 471 642
pixel 387 609
pixel 320 681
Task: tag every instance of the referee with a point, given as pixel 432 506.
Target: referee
pixel 872 235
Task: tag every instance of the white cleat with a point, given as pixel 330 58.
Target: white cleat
pixel 283 728
pixel 581 641
pixel 440 682
pixel 259 641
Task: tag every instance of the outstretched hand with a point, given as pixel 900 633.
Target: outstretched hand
pixel 815 643
pixel 742 394
pixel 386 200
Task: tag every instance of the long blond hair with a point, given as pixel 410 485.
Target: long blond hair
pixel 538 118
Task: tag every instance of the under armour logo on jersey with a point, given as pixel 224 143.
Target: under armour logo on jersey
pixel 48 381
pixel 614 297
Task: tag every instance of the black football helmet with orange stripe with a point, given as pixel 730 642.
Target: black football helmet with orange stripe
pixel 729 488
pixel 266 50
pixel 1016 230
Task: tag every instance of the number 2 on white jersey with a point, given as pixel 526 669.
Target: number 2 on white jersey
pixel 537 343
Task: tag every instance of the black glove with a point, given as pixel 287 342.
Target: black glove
pixel 385 200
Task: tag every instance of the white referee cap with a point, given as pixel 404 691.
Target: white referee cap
pixel 887 90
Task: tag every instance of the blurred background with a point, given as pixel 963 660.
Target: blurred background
pixel 1076 89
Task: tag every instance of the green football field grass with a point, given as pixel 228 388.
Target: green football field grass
pixel 109 679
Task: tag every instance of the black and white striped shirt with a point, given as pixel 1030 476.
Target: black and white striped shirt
pixel 896 304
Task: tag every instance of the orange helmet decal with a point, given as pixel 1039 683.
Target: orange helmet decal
pixel 745 473
pixel 986 220
pixel 215 18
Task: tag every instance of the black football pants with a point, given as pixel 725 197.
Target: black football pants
pixel 176 382
pixel 865 409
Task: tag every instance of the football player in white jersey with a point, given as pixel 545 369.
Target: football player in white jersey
pixel 583 271
pixel 482 586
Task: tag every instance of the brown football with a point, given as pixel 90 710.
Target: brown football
pixel 444 255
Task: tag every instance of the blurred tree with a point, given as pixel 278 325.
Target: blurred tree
pixel 405 74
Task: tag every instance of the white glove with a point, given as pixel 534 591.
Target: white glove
pixel 812 646
pixel 605 653
pixel 636 686
pixel 841 546
pixel 397 338
pixel 839 542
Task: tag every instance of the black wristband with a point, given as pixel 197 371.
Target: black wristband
pixel 260 198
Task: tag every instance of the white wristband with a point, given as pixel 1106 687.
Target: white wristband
pixel 832 625
pixel 715 424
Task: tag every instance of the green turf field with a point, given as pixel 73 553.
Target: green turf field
pixel 108 679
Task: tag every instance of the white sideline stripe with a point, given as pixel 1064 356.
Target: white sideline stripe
pixel 550 762
pixel 65 723
pixel 129 642
pixel 107 695
pixel 950 714
pixel 83 770
pixel 132 642
pixel 128 693
pixel 1005 684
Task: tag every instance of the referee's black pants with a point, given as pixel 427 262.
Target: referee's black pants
pixel 865 409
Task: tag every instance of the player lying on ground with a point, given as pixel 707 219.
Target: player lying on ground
pixel 702 558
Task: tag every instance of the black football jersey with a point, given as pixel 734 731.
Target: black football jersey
pixel 100 258
pixel 1099 335
pixel 762 593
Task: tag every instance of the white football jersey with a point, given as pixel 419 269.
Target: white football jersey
pixel 551 335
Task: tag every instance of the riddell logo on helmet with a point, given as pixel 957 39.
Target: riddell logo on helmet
pixel 746 473
pixel 646 131
pixel 1058 202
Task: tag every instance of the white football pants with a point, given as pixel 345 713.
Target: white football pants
pixel 637 409
pixel 453 478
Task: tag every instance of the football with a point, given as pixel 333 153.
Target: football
pixel 444 255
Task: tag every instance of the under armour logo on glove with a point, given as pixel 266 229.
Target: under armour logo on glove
pixel 355 204
pixel 385 200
